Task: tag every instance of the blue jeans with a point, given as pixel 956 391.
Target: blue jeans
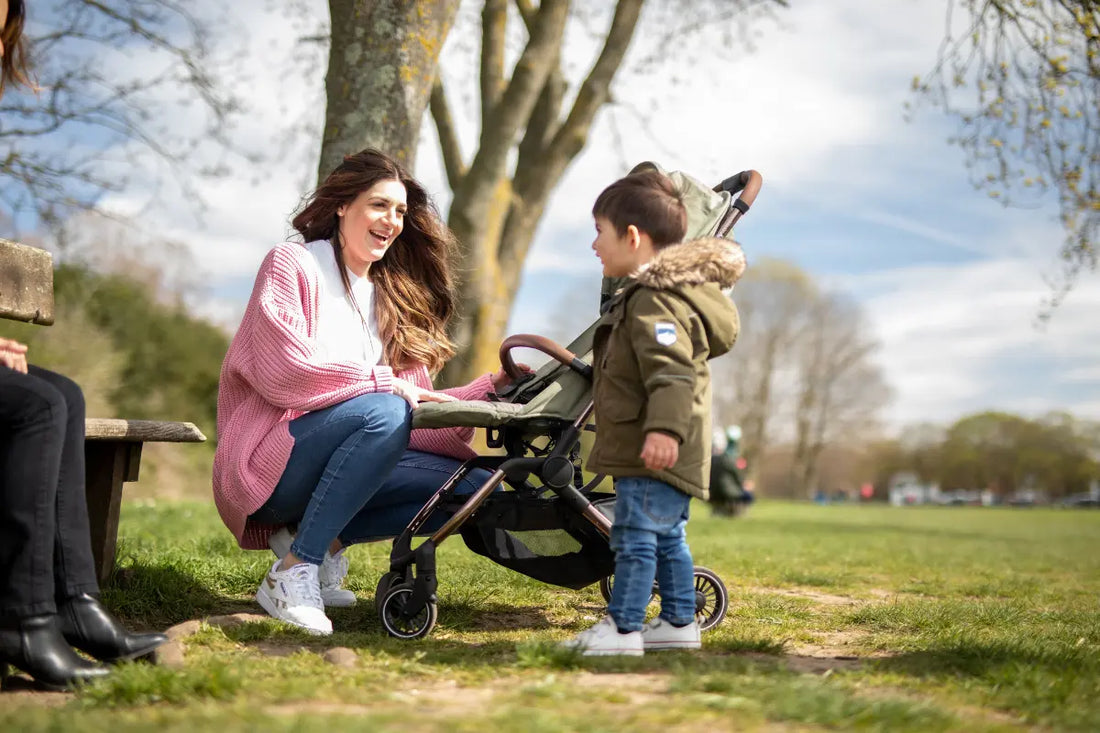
pixel 650 542
pixel 351 476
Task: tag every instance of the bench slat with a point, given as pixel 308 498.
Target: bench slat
pixel 138 431
pixel 26 283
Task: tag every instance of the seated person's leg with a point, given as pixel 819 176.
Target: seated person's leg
pixel 74 566
pixel 417 476
pixel 32 433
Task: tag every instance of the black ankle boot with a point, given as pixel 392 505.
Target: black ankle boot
pixel 89 627
pixel 35 645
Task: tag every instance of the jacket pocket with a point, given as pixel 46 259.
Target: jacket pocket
pixel 618 404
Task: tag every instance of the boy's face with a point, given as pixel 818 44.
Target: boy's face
pixel 617 253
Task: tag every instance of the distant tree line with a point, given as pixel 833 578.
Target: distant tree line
pixel 1057 453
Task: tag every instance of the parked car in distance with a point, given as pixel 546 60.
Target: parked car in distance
pixel 1083 500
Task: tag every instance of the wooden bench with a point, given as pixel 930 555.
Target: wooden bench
pixel 112 448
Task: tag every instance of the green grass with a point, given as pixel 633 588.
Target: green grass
pixel 841 618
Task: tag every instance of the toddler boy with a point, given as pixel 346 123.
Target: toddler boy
pixel 652 395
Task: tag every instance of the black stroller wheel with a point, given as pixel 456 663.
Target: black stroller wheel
pixel 712 600
pixel 393 620
pixel 387 581
pixel 605 589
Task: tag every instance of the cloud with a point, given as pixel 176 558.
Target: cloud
pixel 958 339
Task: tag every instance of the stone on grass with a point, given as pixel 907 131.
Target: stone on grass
pixel 341 656
pixel 169 655
pixel 183 630
pixel 234 620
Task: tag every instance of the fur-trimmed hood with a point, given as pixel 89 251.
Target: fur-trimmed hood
pixel 700 272
pixel 703 260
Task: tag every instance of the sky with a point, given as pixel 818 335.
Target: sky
pixel 869 203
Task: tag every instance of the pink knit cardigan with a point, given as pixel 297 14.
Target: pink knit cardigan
pixel 272 375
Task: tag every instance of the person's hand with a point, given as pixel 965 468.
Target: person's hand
pixel 415 395
pixel 660 451
pixel 13 355
pixel 503 379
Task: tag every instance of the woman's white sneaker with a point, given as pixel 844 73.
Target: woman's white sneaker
pixel 604 639
pixel 294 595
pixel 333 570
pixel 331 576
pixel 660 634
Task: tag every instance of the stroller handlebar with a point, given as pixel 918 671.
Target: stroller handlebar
pixel 748 184
pixel 540 343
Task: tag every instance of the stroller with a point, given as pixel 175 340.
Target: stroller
pixel 536 514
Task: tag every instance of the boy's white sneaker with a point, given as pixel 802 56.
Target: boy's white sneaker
pixel 604 639
pixel 334 569
pixel 660 634
pixel 294 595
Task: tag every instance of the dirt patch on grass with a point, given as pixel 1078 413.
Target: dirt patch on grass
pixel 825 599
pixel 639 688
pixel 527 618
pixel 446 698
pixel 278 649
pixel 830 651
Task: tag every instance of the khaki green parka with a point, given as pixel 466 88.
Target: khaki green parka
pixel 651 349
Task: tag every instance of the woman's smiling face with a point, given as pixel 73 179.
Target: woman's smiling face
pixel 370 223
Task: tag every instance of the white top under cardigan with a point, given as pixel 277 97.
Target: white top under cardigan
pixel 344 333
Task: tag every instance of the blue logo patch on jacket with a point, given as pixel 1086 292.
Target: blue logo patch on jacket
pixel 665 333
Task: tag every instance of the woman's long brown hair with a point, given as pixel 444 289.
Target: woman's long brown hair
pixel 414 291
pixel 13 64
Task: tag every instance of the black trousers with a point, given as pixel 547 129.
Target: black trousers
pixel 45 545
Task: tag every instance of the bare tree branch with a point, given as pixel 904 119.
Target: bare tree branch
pixel 543 168
pixel 448 136
pixel 527 12
pixel 494 21
pixel 570 138
pixel 64 147
pixel 499 130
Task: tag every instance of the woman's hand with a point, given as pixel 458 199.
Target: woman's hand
pixel 13 355
pixel 503 379
pixel 415 395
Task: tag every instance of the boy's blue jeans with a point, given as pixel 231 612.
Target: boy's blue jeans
pixel 649 539
pixel 351 475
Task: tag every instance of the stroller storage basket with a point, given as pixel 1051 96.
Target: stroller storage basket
pixel 541 538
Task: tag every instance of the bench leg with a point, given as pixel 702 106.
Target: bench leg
pixel 108 465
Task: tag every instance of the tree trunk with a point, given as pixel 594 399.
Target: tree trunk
pixel 382 62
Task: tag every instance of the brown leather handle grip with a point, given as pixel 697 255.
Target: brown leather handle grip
pixel 540 343
pixel 748 184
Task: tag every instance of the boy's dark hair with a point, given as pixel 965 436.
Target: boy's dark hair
pixel 648 200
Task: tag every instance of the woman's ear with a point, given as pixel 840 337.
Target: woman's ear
pixel 633 236
pixel 340 211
